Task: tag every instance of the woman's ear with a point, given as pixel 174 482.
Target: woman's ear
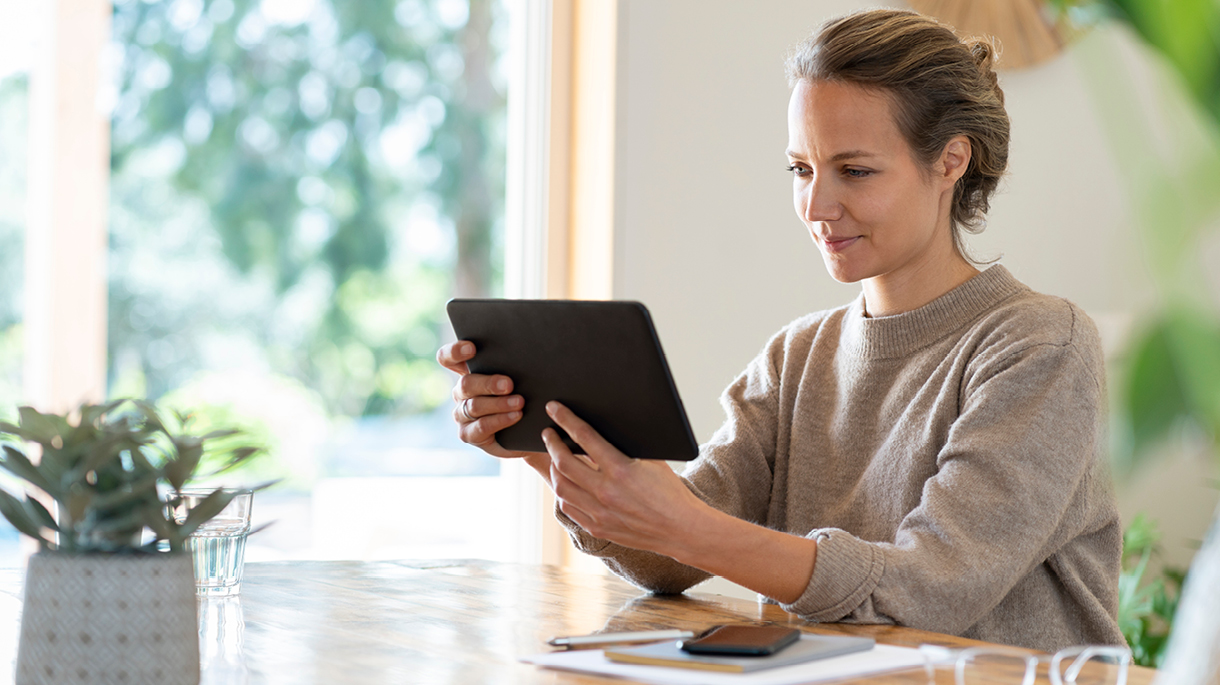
pixel 955 159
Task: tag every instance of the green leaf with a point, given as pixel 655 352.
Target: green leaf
pixel 144 488
pixel 1146 606
pixel 16 463
pixel 155 519
pixel 42 428
pixel 40 514
pixel 121 527
pixel 1140 536
pixel 141 463
pixel 180 469
pixel 91 413
pixel 205 511
pixel 16 514
pixel 101 453
pixel 164 529
pixel 237 457
pixel 151 417
pixel 1155 396
pixel 1172 378
pixel 1195 342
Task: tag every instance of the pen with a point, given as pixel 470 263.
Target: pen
pixel 618 638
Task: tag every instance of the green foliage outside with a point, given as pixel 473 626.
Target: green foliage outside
pixel 297 187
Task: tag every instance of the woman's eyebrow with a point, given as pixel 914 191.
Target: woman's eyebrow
pixel 838 157
pixel 851 154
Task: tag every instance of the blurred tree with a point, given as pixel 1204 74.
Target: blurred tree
pixel 300 184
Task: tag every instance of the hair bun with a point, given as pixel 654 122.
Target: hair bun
pixel 986 54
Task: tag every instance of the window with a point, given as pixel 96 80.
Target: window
pixel 14 92
pixel 297 186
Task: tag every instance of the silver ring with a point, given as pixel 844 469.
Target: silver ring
pixel 465 409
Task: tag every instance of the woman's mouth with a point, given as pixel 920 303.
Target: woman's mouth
pixel 834 246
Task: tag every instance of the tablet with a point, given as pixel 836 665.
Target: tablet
pixel 603 360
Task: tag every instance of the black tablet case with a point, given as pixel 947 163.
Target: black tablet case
pixel 601 359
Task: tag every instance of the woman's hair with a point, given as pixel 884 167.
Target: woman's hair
pixel 940 87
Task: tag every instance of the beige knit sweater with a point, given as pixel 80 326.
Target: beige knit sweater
pixel 949 461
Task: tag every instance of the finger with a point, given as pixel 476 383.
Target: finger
pixel 573 480
pixel 585 435
pixel 481 433
pixel 559 450
pixel 455 356
pixel 569 508
pixel 582 518
pixel 479 385
pixel 574 501
pixel 478 407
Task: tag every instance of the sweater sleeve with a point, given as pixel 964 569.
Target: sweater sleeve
pixel 733 473
pixel 1010 484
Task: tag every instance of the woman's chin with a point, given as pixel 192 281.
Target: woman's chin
pixel 843 271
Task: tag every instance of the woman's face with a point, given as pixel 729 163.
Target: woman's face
pixel 873 211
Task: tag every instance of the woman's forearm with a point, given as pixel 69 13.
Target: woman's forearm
pixel 778 565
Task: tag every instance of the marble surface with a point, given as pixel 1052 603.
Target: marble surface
pixel 441 622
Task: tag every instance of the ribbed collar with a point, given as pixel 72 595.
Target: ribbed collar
pixel 887 337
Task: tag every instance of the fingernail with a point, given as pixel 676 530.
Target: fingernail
pixel 552 407
pixel 515 402
pixel 501 385
pixel 514 415
pixel 467 348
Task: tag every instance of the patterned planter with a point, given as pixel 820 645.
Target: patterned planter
pixel 109 618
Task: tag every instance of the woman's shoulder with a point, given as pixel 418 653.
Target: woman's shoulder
pixel 802 330
pixel 1033 318
pixel 1031 322
pixel 794 342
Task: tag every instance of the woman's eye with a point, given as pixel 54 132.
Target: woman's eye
pixel 797 170
pixel 857 173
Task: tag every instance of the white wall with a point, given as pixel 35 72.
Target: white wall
pixel 706 235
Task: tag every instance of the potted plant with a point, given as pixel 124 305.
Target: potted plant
pixel 105 599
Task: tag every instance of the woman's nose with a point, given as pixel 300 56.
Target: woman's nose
pixel 818 202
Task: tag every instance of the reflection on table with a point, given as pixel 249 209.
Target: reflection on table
pixel 444 622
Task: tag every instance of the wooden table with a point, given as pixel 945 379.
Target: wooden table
pixel 449 622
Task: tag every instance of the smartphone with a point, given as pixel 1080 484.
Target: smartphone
pixel 742 640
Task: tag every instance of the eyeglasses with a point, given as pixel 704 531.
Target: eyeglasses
pixel 1081 665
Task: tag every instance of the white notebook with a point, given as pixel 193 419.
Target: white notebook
pixel 880 659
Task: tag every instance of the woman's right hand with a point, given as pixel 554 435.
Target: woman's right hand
pixel 485 404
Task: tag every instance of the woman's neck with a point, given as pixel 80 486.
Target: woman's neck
pixel 915 285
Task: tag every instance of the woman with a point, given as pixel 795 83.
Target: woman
pixel 929 455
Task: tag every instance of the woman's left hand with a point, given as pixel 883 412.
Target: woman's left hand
pixel 639 503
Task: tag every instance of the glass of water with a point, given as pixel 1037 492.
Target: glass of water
pixel 218 547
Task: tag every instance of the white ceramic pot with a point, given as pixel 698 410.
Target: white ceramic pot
pixel 109 618
pixel 1193 656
